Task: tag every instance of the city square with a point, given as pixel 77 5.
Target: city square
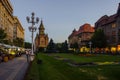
pixel 59 40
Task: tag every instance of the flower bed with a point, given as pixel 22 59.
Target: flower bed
pixel 106 63
pixel 90 63
pixel 87 55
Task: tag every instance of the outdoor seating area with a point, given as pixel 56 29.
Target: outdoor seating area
pixel 8 52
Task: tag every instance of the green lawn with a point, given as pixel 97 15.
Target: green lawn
pixel 52 69
pixel 94 58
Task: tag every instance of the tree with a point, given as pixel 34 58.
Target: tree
pixel 64 46
pixel 18 42
pixel 51 46
pixel 27 45
pixel 74 45
pixel 99 39
pixel 58 47
pixel 3 35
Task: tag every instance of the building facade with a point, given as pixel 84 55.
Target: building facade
pixel 18 29
pixel 73 38
pixel 41 39
pixel 111 27
pixel 82 36
pixel 85 33
pixel 8 21
pixel 6 18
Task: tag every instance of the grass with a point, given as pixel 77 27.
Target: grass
pixel 33 72
pixel 94 58
pixel 52 69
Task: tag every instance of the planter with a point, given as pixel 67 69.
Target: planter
pixel 10 57
pixel 5 59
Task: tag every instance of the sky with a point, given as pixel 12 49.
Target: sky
pixel 60 17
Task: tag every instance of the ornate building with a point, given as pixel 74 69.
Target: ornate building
pixel 18 29
pixel 6 18
pixel 85 33
pixel 82 36
pixel 111 27
pixel 9 22
pixel 73 38
pixel 41 40
pixel 18 33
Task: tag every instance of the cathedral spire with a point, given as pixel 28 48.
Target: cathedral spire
pixel 41 28
pixel 41 25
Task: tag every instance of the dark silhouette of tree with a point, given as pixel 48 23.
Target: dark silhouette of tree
pixel 64 47
pixel 28 45
pixel 51 46
pixel 99 39
pixel 18 42
pixel 3 35
pixel 58 47
pixel 74 45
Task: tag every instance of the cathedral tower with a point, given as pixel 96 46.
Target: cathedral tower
pixel 41 40
pixel 41 29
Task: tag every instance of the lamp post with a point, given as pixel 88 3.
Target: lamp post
pixel 32 28
pixel 90 45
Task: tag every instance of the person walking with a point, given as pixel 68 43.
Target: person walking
pixel 27 55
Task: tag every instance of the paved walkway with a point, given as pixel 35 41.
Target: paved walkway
pixel 14 69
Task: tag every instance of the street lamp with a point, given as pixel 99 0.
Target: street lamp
pixel 90 45
pixel 32 28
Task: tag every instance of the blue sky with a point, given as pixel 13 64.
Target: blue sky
pixel 60 17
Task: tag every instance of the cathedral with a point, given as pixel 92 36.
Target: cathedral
pixel 41 39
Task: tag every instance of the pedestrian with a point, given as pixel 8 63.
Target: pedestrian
pixel 31 55
pixel 27 54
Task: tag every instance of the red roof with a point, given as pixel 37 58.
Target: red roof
pixel 73 33
pixel 107 19
pixel 84 28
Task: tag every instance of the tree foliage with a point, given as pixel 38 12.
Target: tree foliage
pixel 64 47
pixel 74 45
pixel 51 46
pixel 3 35
pixel 18 42
pixel 99 39
pixel 58 46
pixel 28 45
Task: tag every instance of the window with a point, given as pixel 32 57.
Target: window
pixel 113 32
pixel 113 25
pixel 113 39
